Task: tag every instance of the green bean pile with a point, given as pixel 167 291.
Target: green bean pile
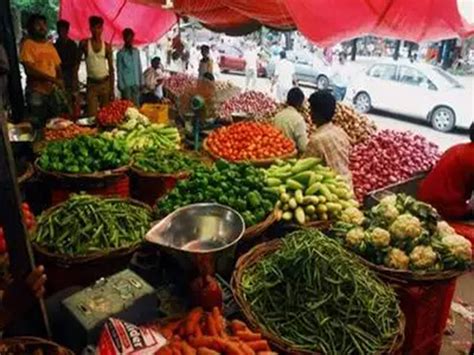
pixel 314 295
pixel 86 224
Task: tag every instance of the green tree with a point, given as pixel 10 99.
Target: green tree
pixel 48 8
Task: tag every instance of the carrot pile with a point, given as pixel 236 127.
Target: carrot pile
pixel 202 333
pixel 68 132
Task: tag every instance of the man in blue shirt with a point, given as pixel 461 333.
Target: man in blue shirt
pixel 129 69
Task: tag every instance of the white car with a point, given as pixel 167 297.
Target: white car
pixel 414 89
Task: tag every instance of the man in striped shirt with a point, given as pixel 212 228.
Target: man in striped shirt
pixel 329 141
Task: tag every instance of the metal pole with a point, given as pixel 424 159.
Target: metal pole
pixel 7 34
pixel 16 234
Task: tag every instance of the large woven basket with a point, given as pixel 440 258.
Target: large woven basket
pixel 258 229
pixel 253 257
pixel 264 163
pixel 81 177
pixel 31 345
pixel 411 277
pixel 82 270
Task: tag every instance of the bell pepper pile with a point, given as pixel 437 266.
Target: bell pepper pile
pixel 114 113
pixel 29 220
pixel 240 186
pixel 84 155
pixel 249 141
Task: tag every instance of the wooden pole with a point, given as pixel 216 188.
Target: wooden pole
pixel 11 218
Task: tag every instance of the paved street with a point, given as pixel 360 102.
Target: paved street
pixel 385 120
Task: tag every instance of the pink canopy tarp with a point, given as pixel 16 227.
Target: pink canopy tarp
pixel 148 23
pixel 326 22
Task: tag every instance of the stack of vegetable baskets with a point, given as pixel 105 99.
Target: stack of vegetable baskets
pixel 96 165
pixel 307 295
pixel 88 237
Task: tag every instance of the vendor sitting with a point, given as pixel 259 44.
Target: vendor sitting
pixel 291 122
pixel 450 185
pixel 329 141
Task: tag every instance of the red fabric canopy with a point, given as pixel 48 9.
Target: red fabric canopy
pixel 149 23
pixel 330 21
pixel 324 22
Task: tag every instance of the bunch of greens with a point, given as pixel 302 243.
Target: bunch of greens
pixel 315 296
pixel 403 233
pixel 86 224
pixel 84 154
pixel 165 162
pixel 240 186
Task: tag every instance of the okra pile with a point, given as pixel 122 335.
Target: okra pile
pixel 85 224
pixel 314 295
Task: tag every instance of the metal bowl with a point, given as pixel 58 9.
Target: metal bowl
pixel 200 237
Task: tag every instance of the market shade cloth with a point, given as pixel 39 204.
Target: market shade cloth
pixel 327 22
pixel 149 24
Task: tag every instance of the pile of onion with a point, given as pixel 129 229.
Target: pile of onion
pixel 390 157
pixel 254 104
pixel 179 83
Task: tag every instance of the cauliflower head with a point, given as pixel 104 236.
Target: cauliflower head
pixel 355 236
pixel 406 226
pixel 389 200
pixel 457 245
pixel 423 257
pixel 387 211
pixel 380 237
pixel 444 229
pixel 352 215
pixel 397 259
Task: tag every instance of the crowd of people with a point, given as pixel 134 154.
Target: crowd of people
pixel 52 70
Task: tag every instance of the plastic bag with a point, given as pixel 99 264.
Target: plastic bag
pixel 122 338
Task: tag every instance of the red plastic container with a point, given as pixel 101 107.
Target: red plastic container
pixel 426 308
pixel 112 186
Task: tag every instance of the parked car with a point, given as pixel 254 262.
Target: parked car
pixel 309 68
pixel 232 60
pixel 414 89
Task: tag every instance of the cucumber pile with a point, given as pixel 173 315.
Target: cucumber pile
pixel 309 191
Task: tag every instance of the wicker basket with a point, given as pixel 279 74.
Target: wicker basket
pixel 31 345
pixel 148 187
pixel 82 270
pixel 253 257
pixel 259 228
pixel 408 276
pixel 264 163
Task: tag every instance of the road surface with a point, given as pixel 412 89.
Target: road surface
pixel 383 120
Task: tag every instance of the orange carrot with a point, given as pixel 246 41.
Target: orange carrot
pixel 237 325
pixel 211 325
pixel 266 353
pixel 232 348
pixel 259 345
pixel 168 334
pixel 198 330
pixel 184 347
pixel 193 319
pixel 248 335
pixel 246 349
pixel 210 342
pixel 164 350
pixel 219 321
pixel 206 351
pixel 171 327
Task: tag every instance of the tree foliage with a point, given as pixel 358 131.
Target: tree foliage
pixel 48 8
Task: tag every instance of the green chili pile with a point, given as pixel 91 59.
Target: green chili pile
pixel 314 295
pixel 86 224
pixel 165 162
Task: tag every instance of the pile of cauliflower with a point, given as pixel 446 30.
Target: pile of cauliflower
pixel 402 233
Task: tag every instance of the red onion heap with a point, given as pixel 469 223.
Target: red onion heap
pixel 179 83
pixel 390 157
pixel 253 103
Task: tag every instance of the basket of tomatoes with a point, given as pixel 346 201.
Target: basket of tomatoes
pixel 113 114
pixel 258 143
